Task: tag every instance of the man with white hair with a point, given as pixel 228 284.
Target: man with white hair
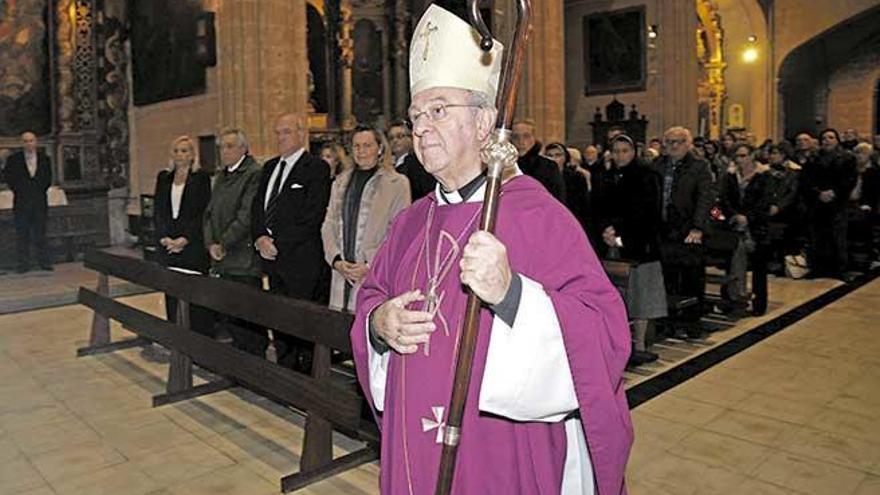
pixel 688 195
pixel 553 341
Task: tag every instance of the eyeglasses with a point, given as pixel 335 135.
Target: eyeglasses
pixel 741 155
pixel 670 142
pixel 435 112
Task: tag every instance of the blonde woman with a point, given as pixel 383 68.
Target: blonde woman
pixel 363 201
pixel 337 159
pixel 182 193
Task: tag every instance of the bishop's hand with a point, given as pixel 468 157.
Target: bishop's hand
pixel 403 329
pixel 485 267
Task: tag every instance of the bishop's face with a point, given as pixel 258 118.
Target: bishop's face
pixel 448 132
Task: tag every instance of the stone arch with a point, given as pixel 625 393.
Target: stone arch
pixel 746 82
pixel 809 74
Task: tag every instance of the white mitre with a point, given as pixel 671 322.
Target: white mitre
pixel 445 53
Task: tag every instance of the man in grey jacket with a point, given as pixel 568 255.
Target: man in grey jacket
pixel 227 228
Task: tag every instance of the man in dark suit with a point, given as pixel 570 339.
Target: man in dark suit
pixel 532 163
pixel 421 183
pixel 287 214
pixel 687 198
pixel 29 175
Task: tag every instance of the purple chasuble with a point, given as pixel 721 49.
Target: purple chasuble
pixel 496 455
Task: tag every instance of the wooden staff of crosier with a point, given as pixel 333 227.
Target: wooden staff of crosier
pixel 498 155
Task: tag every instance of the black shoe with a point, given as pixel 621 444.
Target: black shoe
pixel 47 268
pixel 732 310
pixel 638 358
pixel 688 333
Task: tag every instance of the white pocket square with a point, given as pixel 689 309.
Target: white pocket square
pixel 297 186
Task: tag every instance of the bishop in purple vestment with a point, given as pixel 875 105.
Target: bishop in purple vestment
pixel 546 411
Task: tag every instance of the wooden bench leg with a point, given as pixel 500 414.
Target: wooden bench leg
pixel 318 443
pixel 100 334
pixel 302 479
pixel 180 369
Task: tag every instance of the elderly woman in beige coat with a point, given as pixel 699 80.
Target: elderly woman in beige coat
pixel 363 201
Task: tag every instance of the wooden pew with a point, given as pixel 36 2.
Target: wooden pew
pixel 329 399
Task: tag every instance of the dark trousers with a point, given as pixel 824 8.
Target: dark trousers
pixel 293 352
pixel 828 230
pixel 30 228
pixel 686 281
pixel 246 336
pixel 758 261
pixel 201 319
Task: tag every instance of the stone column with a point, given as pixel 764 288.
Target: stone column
pixel 542 89
pixel 400 54
pixel 262 53
pixel 346 62
pixel 679 71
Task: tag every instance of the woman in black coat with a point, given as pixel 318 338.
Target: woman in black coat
pixel 629 223
pixel 576 179
pixel 182 194
pixel 745 198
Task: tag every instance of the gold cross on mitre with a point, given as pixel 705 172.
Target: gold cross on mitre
pixel 430 28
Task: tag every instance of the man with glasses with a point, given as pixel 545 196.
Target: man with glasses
pixel 405 161
pixel 554 338
pixel 688 195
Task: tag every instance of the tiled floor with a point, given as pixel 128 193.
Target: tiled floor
pixel 796 413
pixel 793 414
pixel 40 289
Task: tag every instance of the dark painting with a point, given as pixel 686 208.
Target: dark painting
pixel 614 51
pixel 24 68
pixel 166 63
pixel 316 41
pixel 367 78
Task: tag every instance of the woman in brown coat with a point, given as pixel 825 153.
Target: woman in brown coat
pixel 363 202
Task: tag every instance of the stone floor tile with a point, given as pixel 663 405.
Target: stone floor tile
pixel 53 436
pixel 136 443
pixel 643 453
pixel 678 475
pixel 871 486
pixel 757 487
pixel 750 427
pixel 18 475
pixel 119 479
pixel 182 462
pixel 75 460
pixel 792 411
pixel 848 424
pixel 808 475
pixel 682 410
pixel 8 449
pixel 45 490
pixel 234 480
pixel 828 447
pixel 35 417
pixel 658 430
pixel 704 391
pixel 722 451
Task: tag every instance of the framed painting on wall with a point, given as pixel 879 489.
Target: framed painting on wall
pixel 614 51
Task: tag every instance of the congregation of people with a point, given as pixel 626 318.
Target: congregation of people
pixel 308 224
pixel 311 224
pixel 806 208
